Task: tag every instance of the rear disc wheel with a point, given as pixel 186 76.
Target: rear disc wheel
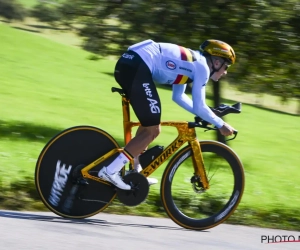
pixel 57 172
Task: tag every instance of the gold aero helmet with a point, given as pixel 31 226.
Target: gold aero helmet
pixel 218 48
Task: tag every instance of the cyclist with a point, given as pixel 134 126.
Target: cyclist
pixel 147 62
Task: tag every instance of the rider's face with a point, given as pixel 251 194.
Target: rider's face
pixel 223 70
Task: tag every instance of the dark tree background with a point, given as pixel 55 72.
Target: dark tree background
pixel 264 34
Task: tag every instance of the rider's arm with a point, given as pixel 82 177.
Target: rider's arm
pixel 181 98
pixel 197 105
pixel 200 107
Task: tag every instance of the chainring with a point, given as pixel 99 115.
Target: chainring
pixel 139 189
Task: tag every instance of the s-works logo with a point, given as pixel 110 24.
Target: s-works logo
pixel 268 239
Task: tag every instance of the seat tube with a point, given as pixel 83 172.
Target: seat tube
pixel 126 120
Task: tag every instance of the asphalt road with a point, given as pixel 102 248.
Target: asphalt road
pixel 37 231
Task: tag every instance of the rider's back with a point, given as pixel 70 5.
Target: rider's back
pixel 170 63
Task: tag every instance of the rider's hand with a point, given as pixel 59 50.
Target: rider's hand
pixel 226 129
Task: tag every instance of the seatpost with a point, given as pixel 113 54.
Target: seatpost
pixel 126 119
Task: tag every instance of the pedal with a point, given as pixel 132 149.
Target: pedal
pixel 139 189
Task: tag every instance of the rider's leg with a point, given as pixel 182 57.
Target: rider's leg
pixel 144 135
pixel 141 141
pixel 143 138
pixel 135 78
pixel 132 149
pixel 136 162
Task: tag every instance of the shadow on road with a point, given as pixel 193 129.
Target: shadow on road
pixel 96 222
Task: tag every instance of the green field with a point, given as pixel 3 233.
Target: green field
pixel 46 86
pixel 31 3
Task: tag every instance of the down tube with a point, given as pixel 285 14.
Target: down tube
pixel 170 150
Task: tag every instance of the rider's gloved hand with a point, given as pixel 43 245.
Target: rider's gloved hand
pixel 226 129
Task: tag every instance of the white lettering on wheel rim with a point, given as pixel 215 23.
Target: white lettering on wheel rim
pixel 231 204
pixel 182 158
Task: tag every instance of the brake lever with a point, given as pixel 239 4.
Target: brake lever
pixel 235 132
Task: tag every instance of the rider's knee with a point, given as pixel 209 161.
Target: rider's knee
pixel 157 130
pixel 154 130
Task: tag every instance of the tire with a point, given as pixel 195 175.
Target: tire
pixel 73 149
pixel 203 210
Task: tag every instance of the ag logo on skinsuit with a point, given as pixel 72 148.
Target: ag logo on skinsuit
pixel 170 65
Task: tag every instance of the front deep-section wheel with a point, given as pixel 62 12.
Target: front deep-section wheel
pixel 58 172
pixel 183 197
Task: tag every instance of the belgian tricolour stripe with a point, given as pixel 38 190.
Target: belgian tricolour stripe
pixel 186 55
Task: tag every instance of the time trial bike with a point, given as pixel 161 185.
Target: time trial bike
pixel 201 185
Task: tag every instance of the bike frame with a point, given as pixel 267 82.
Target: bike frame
pixel 185 134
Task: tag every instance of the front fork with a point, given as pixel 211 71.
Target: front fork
pixel 198 164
